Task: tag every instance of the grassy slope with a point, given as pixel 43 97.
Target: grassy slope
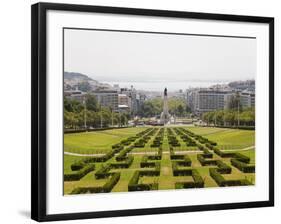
pixel 227 138
pixel 105 139
pixel 96 142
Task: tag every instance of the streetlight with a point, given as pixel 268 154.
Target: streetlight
pixel 85 113
pixel 112 118
pixel 215 118
pixel 119 118
pixel 224 124
pixel 100 117
pixel 238 117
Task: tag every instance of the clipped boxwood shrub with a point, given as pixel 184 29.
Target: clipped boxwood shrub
pixel 223 154
pixel 222 182
pixel 123 154
pixel 124 164
pixel 197 182
pixel 107 187
pixel 135 186
pixel 244 167
pixel 223 168
pixel 78 165
pixel 103 172
pixel 241 157
pixel 204 162
pixel 176 156
pixel 77 175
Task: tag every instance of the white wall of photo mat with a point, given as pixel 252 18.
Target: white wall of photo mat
pixel 15 115
pixel 58 203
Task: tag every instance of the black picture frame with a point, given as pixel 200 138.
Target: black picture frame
pixel 38 108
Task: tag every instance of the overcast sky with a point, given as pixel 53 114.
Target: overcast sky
pixel 142 57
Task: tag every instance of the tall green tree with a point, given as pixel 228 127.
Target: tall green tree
pixel 234 102
pixel 91 103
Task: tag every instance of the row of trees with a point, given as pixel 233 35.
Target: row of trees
pixel 154 107
pixel 89 114
pixel 230 117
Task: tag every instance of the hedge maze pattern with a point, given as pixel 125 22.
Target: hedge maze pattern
pixel 184 174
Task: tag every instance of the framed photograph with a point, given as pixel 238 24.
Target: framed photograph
pixel 140 111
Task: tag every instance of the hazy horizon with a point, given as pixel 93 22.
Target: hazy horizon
pixel 147 60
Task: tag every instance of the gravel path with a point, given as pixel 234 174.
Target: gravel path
pixel 153 153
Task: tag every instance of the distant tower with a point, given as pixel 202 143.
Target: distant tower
pixel 165 116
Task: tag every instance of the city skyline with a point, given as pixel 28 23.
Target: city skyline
pixel 172 86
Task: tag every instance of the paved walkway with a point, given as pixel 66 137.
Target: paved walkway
pixel 153 153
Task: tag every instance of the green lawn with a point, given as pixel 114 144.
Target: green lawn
pixel 101 142
pixel 97 141
pixel 227 138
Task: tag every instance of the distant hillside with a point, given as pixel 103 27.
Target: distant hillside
pixel 77 76
pixel 73 80
pixel 243 85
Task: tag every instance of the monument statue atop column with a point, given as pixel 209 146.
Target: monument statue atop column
pixel 165 116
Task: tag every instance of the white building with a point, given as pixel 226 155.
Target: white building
pixel 205 100
pixel 123 99
pixel 247 99
pixel 75 94
pixel 107 98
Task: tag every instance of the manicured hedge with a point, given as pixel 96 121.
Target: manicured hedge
pixel 180 172
pixel 154 172
pixel 222 182
pixel 204 162
pixel 103 172
pixel 176 156
pixel 223 154
pixel 125 164
pixel 173 140
pixel 190 143
pixel 197 182
pixel 223 168
pixel 135 186
pixel 140 144
pixel 183 161
pixel 155 157
pixel 77 175
pixel 78 165
pixel 244 167
pixel 209 146
pixel 207 153
pixel 123 154
pixel 241 157
pixel 72 131
pixel 107 187
pixel 115 146
pixel 101 159
pixel 145 163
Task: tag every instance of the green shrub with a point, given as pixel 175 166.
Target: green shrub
pixel 244 167
pixel 107 187
pixel 223 168
pixel 223 154
pixel 77 175
pixel 78 165
pixel 197 182
pixel 241 157
pixel 125 164
pixel 176 156
pixel 123 154
pixel 222 182
pixel 103 172
pixel 204 162
pixel 135 186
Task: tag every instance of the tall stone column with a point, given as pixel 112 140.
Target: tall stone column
pixel 165 117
